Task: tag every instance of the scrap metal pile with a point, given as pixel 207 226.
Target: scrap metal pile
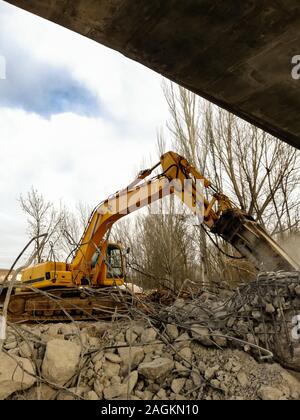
pixel 262 317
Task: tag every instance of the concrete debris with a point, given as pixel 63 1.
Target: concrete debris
pixel 41 392
pixel 132 381
pixel 297 290
pixel 172 331
pixel 174 370
pixel 186 354
pixel 111 369
pixel 114 391
pixel 131 336
pixel 91 395
pixel 192 349
pixel 60 361
pixel 267 393
pixel 112 357
pixel 132 356
pixel 177 385
pixel 202 335
pixel 26 350
pixel 16 374
pixel 148 335
pixel 156 369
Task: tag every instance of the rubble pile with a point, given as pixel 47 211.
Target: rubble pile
pixel 262 318
pixel 267 313
pixel 132 360
pixel 198 345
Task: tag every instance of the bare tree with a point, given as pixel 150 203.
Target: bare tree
pixel 258 172
pixel 42 218
pixel 184 125
pixel 162 253
pixel 83 213
pixel 72 226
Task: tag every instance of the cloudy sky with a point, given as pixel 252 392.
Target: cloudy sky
pixel 76 119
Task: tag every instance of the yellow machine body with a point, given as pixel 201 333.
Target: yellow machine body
pixel 107 269
pixel 99 263
pixel 47 274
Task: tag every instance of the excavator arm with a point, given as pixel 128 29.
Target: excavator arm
pixel 98 262
pixel 182 179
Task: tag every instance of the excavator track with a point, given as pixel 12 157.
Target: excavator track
pixel 65 305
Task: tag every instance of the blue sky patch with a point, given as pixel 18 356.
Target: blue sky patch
pixel 40 87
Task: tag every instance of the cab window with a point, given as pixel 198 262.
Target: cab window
pixel 114 263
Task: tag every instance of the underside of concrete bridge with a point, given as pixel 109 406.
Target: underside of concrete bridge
pixel 237 54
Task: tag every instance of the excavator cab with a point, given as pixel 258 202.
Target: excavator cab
pixel 110 270
pixel 115 262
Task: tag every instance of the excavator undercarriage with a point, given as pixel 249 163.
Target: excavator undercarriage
pixel 71 304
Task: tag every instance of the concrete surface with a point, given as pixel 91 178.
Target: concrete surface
pixel 235 53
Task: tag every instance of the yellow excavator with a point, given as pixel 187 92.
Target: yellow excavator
pixel 97 263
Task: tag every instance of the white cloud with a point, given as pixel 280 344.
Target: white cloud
pixel 126 89
pixel 67 156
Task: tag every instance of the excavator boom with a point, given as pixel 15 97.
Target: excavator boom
pixel 97 262
pixel 217 213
